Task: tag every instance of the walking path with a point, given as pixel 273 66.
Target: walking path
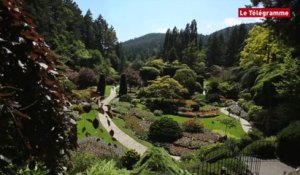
pixel 274 167
pixel 245 124
pixel 109 125
pixel 122 137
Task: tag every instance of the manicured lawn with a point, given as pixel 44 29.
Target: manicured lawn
pixel 121 124
pixel 107 90
pixel 215 125
pixel 100 132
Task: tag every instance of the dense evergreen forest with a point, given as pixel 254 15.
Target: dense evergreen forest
pixel 69 90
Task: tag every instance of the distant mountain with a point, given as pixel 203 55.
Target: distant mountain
pixel 143 47
pixel 151 44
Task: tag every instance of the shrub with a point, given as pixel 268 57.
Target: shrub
pixel 81 162
pixel 263 148
pixel 86 77
pixel 254 109
pixel 135 101
pixel 192 126
pixel 158 112
pixel 199 98
pixel 212 98
pixel 134 124
pixel 157 161
pixel 168 106
pixel 141 114
pixel 125 98
pixel 106 168
pixel 67 84
pixel 110 80
pixel 130 158
pixel 195 107
pixel 164 130
pixel 289 144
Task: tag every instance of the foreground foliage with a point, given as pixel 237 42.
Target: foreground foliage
pixel 157 161
pixel 34 124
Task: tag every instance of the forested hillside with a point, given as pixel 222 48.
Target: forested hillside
pixel 140 49
pixel 78 40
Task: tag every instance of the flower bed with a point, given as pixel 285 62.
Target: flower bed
pixel 191 142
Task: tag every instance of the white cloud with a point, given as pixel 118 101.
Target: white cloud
pixel 232 22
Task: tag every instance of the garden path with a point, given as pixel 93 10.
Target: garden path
pixel 122 137
pixel 245 124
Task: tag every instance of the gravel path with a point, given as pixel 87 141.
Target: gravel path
pixel 274 167
pixel 245 124
pixel 122 137
pixel 109 125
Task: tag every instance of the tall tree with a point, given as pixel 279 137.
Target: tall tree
pixel 215 50
pixel 289 29
pixel 123 85
pixel 101 85
pixel 88 30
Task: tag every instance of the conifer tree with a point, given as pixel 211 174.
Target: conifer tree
pixel 123 85
pixel 101 85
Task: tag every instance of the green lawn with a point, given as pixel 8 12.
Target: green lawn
pixel 215 125
pixel 100 132
pixel 107 90
pixel 121 124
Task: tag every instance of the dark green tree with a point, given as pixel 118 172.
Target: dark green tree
pixel 215 51
pixel 89 30
pixel 123 85
pixel 101 85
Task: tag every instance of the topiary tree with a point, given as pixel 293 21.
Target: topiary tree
pixel 34 125
pixel 164 130
pixel 123 85
pixel 101 85
pixel 192 126
pixel 130 158
pixel 289 144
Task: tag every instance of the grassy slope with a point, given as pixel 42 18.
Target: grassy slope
pixel 107 90
pixel 121 124
pixel 100 132
pixel 215 125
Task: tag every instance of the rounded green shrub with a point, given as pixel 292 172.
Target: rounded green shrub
pixel 192 126
pixel 289 144
pixel 164 130
pixel 263 148
pixel 130 158
pixel 158 112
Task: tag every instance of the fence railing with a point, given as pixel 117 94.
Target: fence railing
pixel 232 162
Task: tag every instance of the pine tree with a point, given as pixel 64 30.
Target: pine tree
pixel 101 85
pixel 89 31
pixel 194 33
pixel 215 53
pixel 123 85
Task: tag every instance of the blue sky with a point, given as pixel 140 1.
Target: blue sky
pixel 134 18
